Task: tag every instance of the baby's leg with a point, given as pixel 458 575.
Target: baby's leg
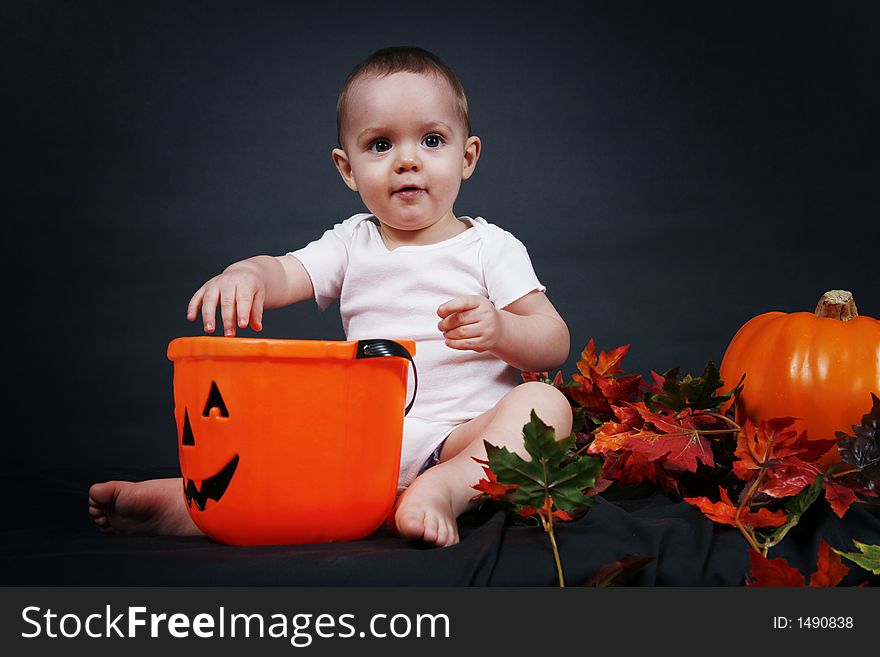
pixel 155 506
pixel 428 508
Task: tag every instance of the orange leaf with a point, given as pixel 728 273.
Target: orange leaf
pixel 724 512
pixel 840 497
pixel 830 570
pixel 772 572
pixel 789 478
pixel 490 485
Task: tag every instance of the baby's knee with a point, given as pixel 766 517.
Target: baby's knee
pixel 549 404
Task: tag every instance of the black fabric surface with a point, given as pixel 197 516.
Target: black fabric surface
pixel 50 540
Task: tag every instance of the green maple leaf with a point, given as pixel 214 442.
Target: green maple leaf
pixel 545 475
pixel 868 556
pixel 697 392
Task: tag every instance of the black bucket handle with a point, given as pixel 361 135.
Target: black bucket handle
pixel 379 347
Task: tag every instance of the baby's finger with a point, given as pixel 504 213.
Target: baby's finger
pixel 193 308
pixel 457 305
pixel 455 320
pixel 257 311
pixel 227 311
pixel 468 344
pixel 209 308
pixel 462 332
pixel 243 300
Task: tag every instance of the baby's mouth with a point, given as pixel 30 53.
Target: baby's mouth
pixel 409 191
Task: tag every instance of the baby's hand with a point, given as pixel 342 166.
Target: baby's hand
pixel 470 322
pixel 240 292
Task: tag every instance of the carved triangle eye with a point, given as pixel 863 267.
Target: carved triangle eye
pixel 187 438
pixel 215 400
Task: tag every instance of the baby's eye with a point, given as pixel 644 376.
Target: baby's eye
pixel 433 141
pixel 380 145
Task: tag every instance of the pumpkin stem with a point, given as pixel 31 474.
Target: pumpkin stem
pixel 837 304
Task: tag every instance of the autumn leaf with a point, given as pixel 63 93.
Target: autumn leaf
pixel 663 436
pixel 789 478
pixel 863 449
pixel 696 392
pixel 616 572
pixel 830 570
pixel 768 445
pixel 606 363
pixel 772 572
pixel 595 387
pixel 543 377
pixel 867 557
pixel 630 469
pixel 544 476
pixel 490 486
pixel 724 512
pixel 559 514
pixel 839 496
pixel 622 388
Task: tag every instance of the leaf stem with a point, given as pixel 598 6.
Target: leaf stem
pixel 725 418
pixel 548 527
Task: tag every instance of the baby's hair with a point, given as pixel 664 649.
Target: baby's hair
pixel 401 59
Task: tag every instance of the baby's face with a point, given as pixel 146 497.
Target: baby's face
pixel 405 149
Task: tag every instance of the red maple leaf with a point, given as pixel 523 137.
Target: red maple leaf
pixel 772 572
pixel 596 387
pixel 772 444
pixel 529 511
pixel 630 469
pixel 657 381
pixel 724 512
pixel 789 477
pixel 543 377
pixel 679 447
pixel 610 437
pixel 588 395
pixel 841 493
pixel 622 388
pixel 490 485
pixel 830 570
pixel 606 363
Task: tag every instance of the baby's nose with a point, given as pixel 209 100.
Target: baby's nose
pixel 407 161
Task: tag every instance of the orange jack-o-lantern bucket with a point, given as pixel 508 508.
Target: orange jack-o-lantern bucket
pixel 289 441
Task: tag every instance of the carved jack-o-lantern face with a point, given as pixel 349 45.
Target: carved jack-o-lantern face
pixel 213 487
pixel 286 441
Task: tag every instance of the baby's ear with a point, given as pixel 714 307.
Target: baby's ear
pixel 343 166
pixel 471 155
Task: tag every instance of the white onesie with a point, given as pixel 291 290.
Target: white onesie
pixel 395 295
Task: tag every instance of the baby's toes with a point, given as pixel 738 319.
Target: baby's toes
pixel 410 523
pixel 431 529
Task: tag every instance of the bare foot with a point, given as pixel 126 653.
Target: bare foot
pixel 427 510
pixel 155 506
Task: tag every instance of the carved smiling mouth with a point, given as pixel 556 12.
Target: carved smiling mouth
pixel 212 487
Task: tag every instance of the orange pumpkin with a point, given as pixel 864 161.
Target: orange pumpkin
pixel 821 367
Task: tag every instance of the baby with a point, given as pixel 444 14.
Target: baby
pixel 463 288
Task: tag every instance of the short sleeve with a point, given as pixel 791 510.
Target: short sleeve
pixel 326 260
pixel 507 268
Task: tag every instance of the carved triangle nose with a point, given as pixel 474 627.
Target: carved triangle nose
pixel 215 400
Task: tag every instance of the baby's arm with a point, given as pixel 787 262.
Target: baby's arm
pixel 528 334
pixel 246 287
